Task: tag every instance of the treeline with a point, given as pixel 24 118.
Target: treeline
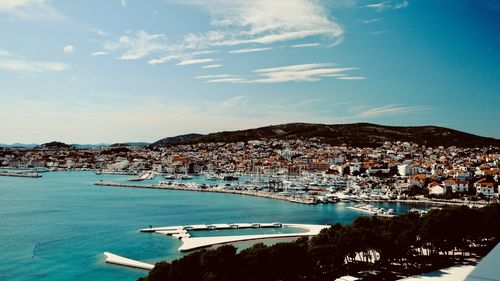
pixel 386 248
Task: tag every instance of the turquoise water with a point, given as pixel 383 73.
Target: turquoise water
pixel 57 227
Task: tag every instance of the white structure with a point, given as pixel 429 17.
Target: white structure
pixel 436 189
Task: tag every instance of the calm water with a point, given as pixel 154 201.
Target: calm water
pixel 58 226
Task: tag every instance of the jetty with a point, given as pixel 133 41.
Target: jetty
pixel 372 210
pixel 191 243
pixel 200 188
pixel 119 260
pixel 21 175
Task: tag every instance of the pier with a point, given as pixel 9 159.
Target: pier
pixel 191 243
pixel 21 175
pixel 197 187
pixel 118 260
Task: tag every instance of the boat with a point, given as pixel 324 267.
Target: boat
pixel 170 177
pixel 186 177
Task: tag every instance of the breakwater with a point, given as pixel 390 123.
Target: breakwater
pixel 196 187
pixel 21 175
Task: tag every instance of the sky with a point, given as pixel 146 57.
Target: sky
pixel 109 71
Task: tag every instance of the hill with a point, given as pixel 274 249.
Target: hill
pixel 55 145
pixel 356 135
pixel 176 140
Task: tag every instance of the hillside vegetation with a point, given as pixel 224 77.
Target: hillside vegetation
pixel 357 135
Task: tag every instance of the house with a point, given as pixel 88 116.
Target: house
pixel 436 188
pixel 485 188
pixel 456 185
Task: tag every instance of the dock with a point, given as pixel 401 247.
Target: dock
pixel 197 187
pixel 191 243
pixel 119 260
pixel 21 175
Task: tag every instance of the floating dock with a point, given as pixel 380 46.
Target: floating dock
pixel 191 243
pixel 118 260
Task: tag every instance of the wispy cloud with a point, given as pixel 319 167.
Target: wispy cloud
pixel 100 53
pixel 211 76
pixel 281 74
pixel 32 66
pixel 234 23
pixel 252 50
pixel 371 21
pixel 137 45
pixel 30 10
pixel 212 66
pixel 388 5
pixel 305 45
pixel 390 109
pixel 351 78
pixel 68 49
pixel 401 5
pixel 194 61
pixel 124 3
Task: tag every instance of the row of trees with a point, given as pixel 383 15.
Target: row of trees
pixel 406 244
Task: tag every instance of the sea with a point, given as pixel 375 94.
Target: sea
pixel 57 227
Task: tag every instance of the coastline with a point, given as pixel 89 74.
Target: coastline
pixel 307 201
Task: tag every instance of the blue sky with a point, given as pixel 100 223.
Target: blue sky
pixel 129 70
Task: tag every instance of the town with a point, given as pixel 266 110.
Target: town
pixel 302 168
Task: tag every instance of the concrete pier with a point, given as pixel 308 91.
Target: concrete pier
pixel 21 175
pixel 196 187
pixel 118 260
pixel 191 243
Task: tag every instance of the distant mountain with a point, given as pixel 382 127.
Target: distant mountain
pixel 176 140
pixel 19 145
pixel 357 135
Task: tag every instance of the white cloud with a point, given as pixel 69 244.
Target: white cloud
pixel 372 20
pixel 30 10
pixel 351 78
pixel 390 109
pixel 194 61
pixel 236 22
pixel 124 3
pixel 379 6
pixel 68 49
pixel 4 53
pixel 138 45
pixel 210 76
pixel 100 53
pixel 32 66
pixel 388 5
pixel 306 45
pixel 401 5
pixel 212 66
pixel 297 73
pixel 252 50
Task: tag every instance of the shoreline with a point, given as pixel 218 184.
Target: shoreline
pixel 262 194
